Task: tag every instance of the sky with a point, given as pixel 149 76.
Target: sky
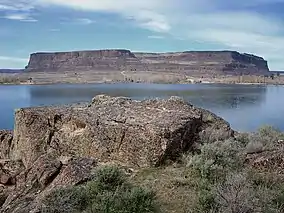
pixel 247 26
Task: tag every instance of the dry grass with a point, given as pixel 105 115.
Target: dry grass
pixel 12 79
pixel 217 180
pixel 175 187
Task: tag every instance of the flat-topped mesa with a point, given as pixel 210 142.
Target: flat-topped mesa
pixel 116 59
pixel 188 62
pixel 206 62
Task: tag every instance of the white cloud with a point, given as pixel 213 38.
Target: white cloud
pixel 156 37
pixel 78 21
pixel 20 17
pixel 146 13
pixel 54 30
pixel 16 5
pixel 84 21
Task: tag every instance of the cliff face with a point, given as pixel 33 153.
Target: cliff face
pixel 205 62
pixel 85 60
pixel 193 62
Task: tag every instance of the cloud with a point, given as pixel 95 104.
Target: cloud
pixel 147 13
pixel 16 5
pixel 20 17
pixel 83 21
pixel 155 37
pixel 54 30
pixel 18 10
pixel 78 21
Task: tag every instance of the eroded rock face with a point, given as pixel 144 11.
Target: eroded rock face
pixel 6 138
pixel 136 133
pixel 206 62
pixel 189 62
pixel 36 182
pixel 85 60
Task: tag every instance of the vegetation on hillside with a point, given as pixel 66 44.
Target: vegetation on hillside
pixel 220 178
pixel 108 192
pixel 13 79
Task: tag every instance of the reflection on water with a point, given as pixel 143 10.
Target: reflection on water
pixel 246 107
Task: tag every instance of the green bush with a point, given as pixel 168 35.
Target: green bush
pixel 266 138
pixel 109 177
pixel 217 159
pixel 123 200
pixel 108 192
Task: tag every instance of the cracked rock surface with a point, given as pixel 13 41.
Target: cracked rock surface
pixel 136 133
pixel 54 147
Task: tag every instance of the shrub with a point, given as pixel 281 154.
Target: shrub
pixel 123 200
pixel 217 159
pixel 66 200
pixel 108 192
pixel 265 138
pixel 109 178
pixel 235 195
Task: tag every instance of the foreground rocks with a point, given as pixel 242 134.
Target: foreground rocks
pixel 136 133
pixel 36 182
pixel 56 147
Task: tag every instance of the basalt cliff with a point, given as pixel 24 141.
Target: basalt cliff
pixel 189 62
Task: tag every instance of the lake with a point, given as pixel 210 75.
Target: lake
pixel 246 107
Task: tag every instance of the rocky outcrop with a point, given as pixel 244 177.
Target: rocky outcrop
pixel 44 175
pixel 136 133
pixel 189 62
pixel 84 60
pixel 206 62
pixel 55 147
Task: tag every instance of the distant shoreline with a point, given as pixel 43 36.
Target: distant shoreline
pixel 100 77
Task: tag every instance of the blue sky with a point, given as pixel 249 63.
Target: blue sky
pixel 251 26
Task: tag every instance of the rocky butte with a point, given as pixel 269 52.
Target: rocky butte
pixel 188 62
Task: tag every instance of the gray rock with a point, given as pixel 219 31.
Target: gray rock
pixel 135 133
pixel 6 138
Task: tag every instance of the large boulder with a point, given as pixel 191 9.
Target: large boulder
pixel 136 133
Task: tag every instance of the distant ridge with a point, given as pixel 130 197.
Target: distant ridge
pixel 187 62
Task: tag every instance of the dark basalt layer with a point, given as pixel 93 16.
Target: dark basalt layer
pixel 189 62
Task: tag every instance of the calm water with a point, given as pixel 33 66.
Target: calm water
pixel 246 107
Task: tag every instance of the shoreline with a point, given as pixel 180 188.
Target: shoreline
pixel 121 82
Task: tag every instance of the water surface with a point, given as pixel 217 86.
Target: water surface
pixel 246 107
